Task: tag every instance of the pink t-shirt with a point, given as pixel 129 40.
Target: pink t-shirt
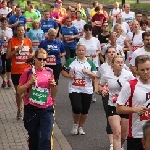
pixel 54 15
pixel 42 81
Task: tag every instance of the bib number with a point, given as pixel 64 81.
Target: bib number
pixel 51 60
pixel 114 98
pixel 38 95
pixel 146 115
pixel 135 48
pixel 79 82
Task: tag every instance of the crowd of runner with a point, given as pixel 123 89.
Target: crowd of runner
pixel 106 53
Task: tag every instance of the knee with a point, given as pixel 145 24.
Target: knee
pixel 117 134
pixel 77 110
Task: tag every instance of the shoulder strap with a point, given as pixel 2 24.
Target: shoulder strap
pixel 120 9
pixel 133 35
pixel 111 11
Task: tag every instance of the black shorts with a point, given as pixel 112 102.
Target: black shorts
pixel 56 71
pixel 1 69
pixel 112 112
pixel 15 78
pixel 134 144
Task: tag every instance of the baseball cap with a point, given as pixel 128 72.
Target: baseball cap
pixel 59 1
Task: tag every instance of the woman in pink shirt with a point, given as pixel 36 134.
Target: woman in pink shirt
pixel 36 83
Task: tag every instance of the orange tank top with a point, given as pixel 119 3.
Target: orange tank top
pixel 19 59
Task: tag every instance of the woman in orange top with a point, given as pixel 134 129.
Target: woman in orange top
pixel 19 49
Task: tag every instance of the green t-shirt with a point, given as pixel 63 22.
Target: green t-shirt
pixel 41 8
pixel 22 5
pixel 30 17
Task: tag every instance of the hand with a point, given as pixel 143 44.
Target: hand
pixel 72 37
pixel 85 71
pixel 2 51
pixel 16 23
pixel 33 78
pixel 72 76
pixel 52 82
pixel 94 55
pixel 19 48
pixel 141 110
pixel 60 55
pixel 104 93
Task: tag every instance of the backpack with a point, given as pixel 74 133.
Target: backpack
pixel 132 87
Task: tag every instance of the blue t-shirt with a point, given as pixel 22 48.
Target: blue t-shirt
pixel 46 25
pixel 67 33
pixel 53 48
pixel 56 5
pixel 13 19
pixel 36 36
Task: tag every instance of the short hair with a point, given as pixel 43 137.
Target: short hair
pixel 97 8
pixel 87 26
pixel 141 59
pixel 144 34
pixel 33 24
pixel 3 19
pixel 142 22
pixel 94 3
pixel 109 47
pixel 148 15
pixel 52 6
pixel 78 12
pixel 104 23
pixel 138 13
pixel 51 30
pixel 80 44
pixel 115 57
pixel 145 128
pixel 40 50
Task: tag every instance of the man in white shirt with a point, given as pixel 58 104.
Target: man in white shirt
pixel 145 50
pixel 113 13
pixel 137 94
pixel 128 16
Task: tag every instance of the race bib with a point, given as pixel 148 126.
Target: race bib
pixel 35 44
pixel 146 115
pixel 38 95
pixel 5 45
pixel 114 98
pixel 135 48
pixel 51 60
pixel 68 38
pixel 22 56
pixel 29 20
pixel 106 87
pixel 98 23
pixel 79 82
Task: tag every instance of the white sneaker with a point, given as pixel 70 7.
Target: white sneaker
pixel 122 148
pixel 75 129
pixel 93 98
pixel 111 147
pixel 81 132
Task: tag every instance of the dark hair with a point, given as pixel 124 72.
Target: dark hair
pixel 19 25
pixel 28 2
pixel 3 19
pixel 78 12
pixel 138 13
pixel 108 49
pixel 94 3
pixel 97 8
pixel 105 22
pixel 142 22
pixel 87 26
pixel 145 128
pixel 145 34
pixel 52 6
pixel 141 59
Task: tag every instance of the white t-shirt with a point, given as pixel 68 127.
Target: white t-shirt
pixel 128 17
pixel 113 12
pixel 137 40
pixel 139 51
pixel 114 88
pixel 141 97
pixel 7 35
pixel 79 25
pixel 92 46
pixel 124 26
pixel 148 28
pixel 120 41
pixel 118 49
pixel 82 83
pixel 5 12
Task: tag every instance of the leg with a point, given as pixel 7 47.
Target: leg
pixel 31 124
pixel 114 121
pixel 46 127
pixel 67 56
pixel 72 53
pixel 8 71
pixel 3 73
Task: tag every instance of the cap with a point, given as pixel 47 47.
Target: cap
pixel 59 1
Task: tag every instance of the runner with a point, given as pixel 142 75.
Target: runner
pixel 148 19
pixel 40 6
pixel 81 10
pixel 92 13
pixel 145 50
pixel 135 38
pixel 138 102
pixel 4 10
pixel 17 19
pixel 79 24
pixel 5 34
pixel 30 15
pixel 143 25
pixel 113 13
pixel 93 48
pixel 12 12
pixel 138 16
pixel 103 38
pixel 115 79
pixel 56 51
pixel 97 21
pixel 80 70
pixel 146 135
pixel 22 4
pixel 36 35
pixel 19 48
pixel 68 34
pixel 47 23
pixel 35 106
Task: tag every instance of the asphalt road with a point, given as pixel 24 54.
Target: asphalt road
pixel 95 125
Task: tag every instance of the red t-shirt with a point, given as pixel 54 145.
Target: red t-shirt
pixel 98 19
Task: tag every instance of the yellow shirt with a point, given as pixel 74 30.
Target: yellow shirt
pixel 93 12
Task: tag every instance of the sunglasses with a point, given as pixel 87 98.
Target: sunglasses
pixel 88 29
pixel 72 11
pixel 40 59
pixel 105 25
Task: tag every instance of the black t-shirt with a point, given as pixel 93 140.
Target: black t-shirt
pixel 103 39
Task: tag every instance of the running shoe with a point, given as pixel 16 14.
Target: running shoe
pixel 111 147
pixel 3 84
pixel 93 98
pixel 9 83
pixel 75 129
pixel 19 115
pixel 81 132
pixel 122 148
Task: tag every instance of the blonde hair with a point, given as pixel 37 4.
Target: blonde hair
pixel 40 51
pixel 80 44
pixel 115 57
pixel 51 30
pixel 33 24
pixel 118 25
